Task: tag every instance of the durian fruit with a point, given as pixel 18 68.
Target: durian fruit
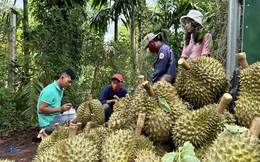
pixel 98 110
pixel 78 148
pixel 147 156
pixel 60 133
pixel 166 91
pixel 143 143
pixel 83 113
pixel 236 144
pixel 121 120
pixel 247 104
pixel 120 105
pixel 202 82
pixel 158 123
pixel 87 108
pixel 118 146
pixel 202 125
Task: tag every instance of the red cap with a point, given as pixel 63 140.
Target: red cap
pixel 117 76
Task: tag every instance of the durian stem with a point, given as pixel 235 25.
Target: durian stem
pixel 122 108
pixel 139 125
pixel 141 79
pixel 57 126
pixel 116 97
pixel 90 97
pixel 225 100
pixel 255 127
pixel 93 119
pixel 241 57
pixel 88 128
pixel 184 64
pixel 73 128
pixel 148 88
pixel 80 126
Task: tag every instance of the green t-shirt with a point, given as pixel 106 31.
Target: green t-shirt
pixel 52 95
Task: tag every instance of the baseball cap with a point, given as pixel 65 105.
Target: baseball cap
pixel 118 77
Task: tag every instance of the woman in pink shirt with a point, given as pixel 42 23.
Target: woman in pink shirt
pixel 197 40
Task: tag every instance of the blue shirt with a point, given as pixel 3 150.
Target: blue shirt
pixel 52 95
pixel 164 63
pixel 108 94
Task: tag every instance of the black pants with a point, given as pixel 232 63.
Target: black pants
pixel 108 111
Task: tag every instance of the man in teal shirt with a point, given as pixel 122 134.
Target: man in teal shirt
pixel 49 106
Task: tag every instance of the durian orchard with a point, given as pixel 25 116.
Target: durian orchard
pixel 157 123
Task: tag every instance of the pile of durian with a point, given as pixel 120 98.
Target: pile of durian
pixel 158 119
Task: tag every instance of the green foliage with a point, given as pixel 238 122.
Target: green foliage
pixel 9 114
pixel 164 105
pixel 27 99
pixel 184 154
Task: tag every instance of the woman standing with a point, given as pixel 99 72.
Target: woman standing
pixel 197 40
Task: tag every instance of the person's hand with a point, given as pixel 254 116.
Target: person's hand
pixel 66 107
pixel 115 100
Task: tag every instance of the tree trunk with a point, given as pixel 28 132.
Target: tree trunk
pixel 116 28
pixel 12 40
pixel 132 34
pixel 94 82
pixel 138 49
pixel 26 38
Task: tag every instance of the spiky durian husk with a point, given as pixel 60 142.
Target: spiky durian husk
pixel 229 118
pixel 158 123
pixel 248 103
pixel 135 103
pixel 147 156
pixel 83 113
pixel 78 148
pixel 143 143
pixel 121 120
pixel 169 93
pixel 233 147
pixel 53 138
pixel 118 106
pixel 98 110
pixel 204 83
pixel 118 146
pixel 162 148
pixel 198 127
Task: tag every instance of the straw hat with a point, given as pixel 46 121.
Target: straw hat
pixel 148 38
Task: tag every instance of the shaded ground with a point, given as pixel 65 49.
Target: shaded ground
pixel 26 140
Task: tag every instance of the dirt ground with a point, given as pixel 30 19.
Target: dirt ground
pixel 26 140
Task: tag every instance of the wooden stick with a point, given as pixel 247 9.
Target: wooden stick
pixel 80 126
pixel 73 128
pixel 141 79
pixel 184 64
pixel 90 97
pixel 116 97
pixel 57 127
pixel 255 126
pixel 139 125
pixel 225 100
pixel 147 86
pixel 241 57
pixel 88 128
pixel 93 117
